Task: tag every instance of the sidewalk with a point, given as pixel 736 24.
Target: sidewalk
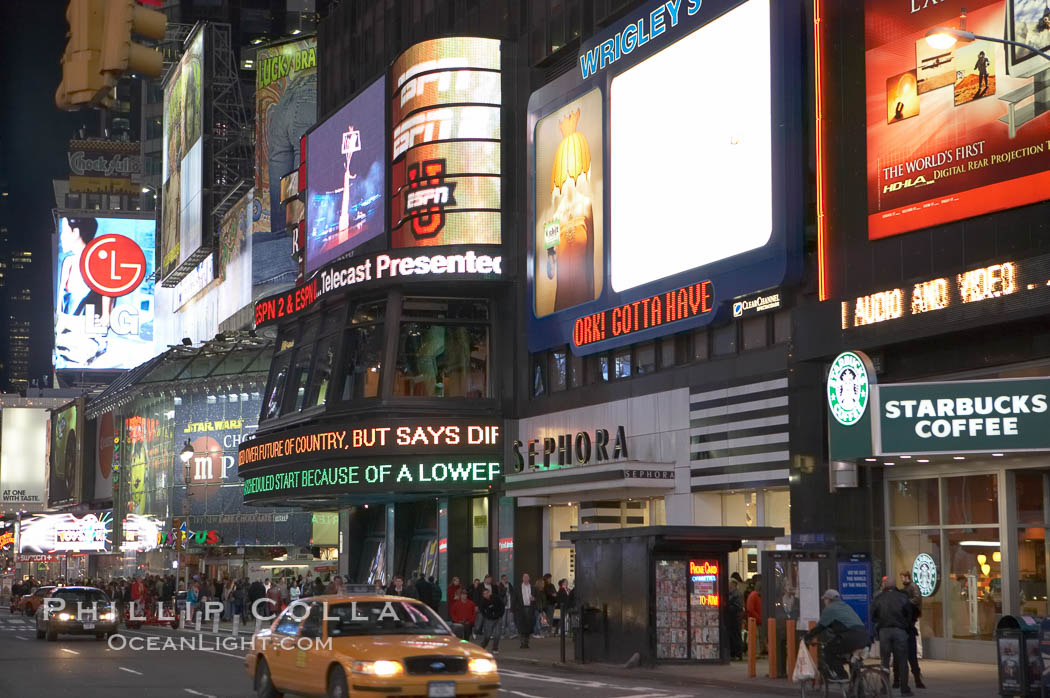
pixel 943 679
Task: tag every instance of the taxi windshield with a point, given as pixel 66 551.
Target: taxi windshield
pixel 383 618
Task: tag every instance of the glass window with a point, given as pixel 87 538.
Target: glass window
pixel 905 546
pixel 480 512
pixel 539 380
pixel 723 340
pixel 782 326
pixel 974 582
pixel 575 371
pixel 443 349
pixel 667 351
pixel 1029 497
pixel 1031 570
pixel 363 351
pixel 972 499
pixel 597 368
pixel 275 390
pixel 700 351
pixel 645 358
pixel 622 362
pixel 914 502
pixel 322 373
pixel 778 510
pixel 300 374
pixel 557 370
pixel 754 331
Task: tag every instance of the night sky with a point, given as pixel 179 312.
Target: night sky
pixel 33 137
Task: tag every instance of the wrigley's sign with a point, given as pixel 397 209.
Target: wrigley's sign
pixel 946 417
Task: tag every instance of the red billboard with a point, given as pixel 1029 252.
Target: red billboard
pixel 954 131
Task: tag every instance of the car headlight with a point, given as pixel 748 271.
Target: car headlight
pixel 380 667
pixel 481 665
pixel 65 616
pixel 107 616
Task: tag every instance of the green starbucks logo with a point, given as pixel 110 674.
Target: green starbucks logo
pixel 924 574
pixel 847 388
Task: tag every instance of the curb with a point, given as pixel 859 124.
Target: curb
pixel 653 675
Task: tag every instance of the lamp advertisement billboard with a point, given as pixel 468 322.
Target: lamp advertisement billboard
pixel 952 130
pixel 104 289
pixel 182 201
pixel 631 241
pixel 23 458
pixel 345 178
pixel 445 166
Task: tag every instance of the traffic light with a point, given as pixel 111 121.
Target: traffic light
pixel 119 52
pixel 81 79
pixel 101 49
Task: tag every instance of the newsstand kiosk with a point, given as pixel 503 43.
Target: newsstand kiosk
pixel 657 590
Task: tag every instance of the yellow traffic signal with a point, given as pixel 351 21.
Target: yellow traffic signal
pixel 101 49
pixel 81 80
pixel 119 52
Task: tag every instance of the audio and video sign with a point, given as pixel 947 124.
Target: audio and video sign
pixel 953 131
pixel 104 286
pixel 445 166
pixel 346 179
pixel 651 208
pixel 182 203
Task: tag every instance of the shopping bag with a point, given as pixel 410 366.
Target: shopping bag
pixel 918 643
pixel 805 669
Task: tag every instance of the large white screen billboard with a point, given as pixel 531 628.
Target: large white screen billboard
pixel 691 151
pixel 23 458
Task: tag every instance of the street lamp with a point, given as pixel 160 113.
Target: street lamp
pixel 187 452
pixel 943 38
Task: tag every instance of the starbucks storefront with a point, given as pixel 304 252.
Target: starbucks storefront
pixel 966 476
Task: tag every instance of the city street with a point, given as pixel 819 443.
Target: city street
pixel 83 667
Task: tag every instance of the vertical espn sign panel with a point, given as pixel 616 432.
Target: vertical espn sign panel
pixel 445 156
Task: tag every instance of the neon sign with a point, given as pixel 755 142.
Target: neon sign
pixel 932 295
pixel 65 532
pixel 655 311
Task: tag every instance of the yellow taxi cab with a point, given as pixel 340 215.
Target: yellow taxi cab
pixel 367 645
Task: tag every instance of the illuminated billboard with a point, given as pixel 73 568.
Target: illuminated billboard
pixel 650 211
pixel 445 168
pixel 64 457
pixel 951 132
pixel 285 108
pixel 182 201
pixel 234 267
pixel 48 533
pixel 104 293
pixel 346 179
pixel 23 458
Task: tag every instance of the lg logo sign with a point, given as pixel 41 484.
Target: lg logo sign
pixel 113 265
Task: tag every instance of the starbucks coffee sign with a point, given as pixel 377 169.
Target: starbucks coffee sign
pixel 847 388
pixel 924 574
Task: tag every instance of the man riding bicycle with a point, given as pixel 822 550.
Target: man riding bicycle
pixel 844 631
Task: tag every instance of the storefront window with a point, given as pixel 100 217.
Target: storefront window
pixel 972 499
pixel 363 352
pixel 443 349
pixel 905 546
pixel 915 502
pixel 1029 490
pixel 558 370
pixel 1031 570
pixel 778 509
pixel 300 374
pixel 974 582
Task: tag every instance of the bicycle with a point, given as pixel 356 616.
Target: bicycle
pixel 866 679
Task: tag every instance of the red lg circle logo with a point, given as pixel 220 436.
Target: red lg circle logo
pixel 113 265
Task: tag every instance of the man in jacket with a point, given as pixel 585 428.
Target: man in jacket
pixel 911 589
pixel 523 603
pixel 463 611
pixel 893 614
pixel 491 619
pixel 844 629
pixel 734 612
pixel 256 591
